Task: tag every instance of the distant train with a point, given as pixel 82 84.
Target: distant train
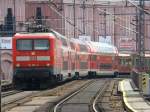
pixel 135 62
pixel 124 63
pixel 127 63
pixel 48 58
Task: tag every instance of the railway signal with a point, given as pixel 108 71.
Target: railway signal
pixel 145 84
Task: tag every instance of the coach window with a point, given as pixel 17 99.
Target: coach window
pixel 83 48
pixel 94 57
pixel 122 61
pixel 129 62
pixel 137 62
pixel 24 44
pixel 41 44
pixel 72 46
pixel 146 62
pixel 64 42
pixel 149 62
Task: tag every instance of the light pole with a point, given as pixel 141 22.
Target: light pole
pixel 83 6
pixel 105 24
pixel 74 12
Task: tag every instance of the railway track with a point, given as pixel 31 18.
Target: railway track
pixel 97 95
pixel 8 93
pixel 7 87
pixel 109 100
pixel 32 100
pixel 82 100
pixel 12 101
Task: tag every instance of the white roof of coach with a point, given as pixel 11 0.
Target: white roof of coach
pixel 78 41
pixel 104 48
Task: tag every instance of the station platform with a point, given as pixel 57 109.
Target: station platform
pixel 133 100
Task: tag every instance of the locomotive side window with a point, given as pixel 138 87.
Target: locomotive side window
pixel 24 44
pixel 41 44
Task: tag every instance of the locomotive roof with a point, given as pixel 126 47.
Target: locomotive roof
pixel 33 34
pixel 52 33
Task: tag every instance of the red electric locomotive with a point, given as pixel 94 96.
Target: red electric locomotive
pixel 40 57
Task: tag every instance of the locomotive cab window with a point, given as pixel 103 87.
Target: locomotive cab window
pixel 41 44
pixel 24 44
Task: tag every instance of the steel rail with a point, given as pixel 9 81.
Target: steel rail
pixel 73 94
pixel 22 99
pixel 99 94
pixel 6 87
pixel 8 93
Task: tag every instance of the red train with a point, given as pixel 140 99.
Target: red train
pixel 47 58
pixel 129 63
pixel 106 59
pixel 145 67
pixel 125 63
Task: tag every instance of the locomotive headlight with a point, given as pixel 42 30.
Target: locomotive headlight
pixel 17 65
pixel 33 65
pixel 48 64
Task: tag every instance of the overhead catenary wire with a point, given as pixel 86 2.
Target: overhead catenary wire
pixel 116 17
pixel 127 28
pixel 72 24
pixel 66 19
pixel 138 7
